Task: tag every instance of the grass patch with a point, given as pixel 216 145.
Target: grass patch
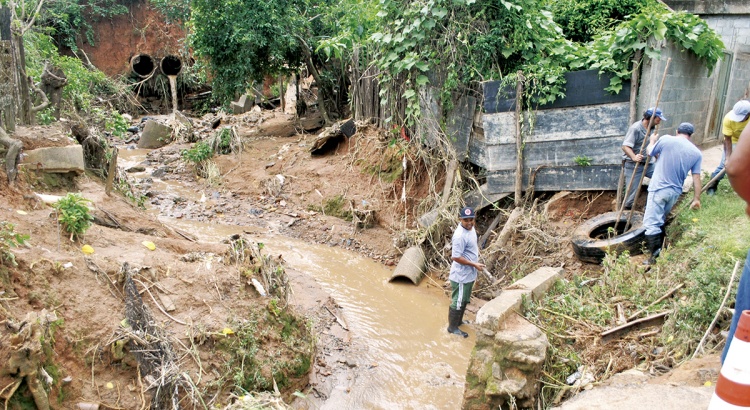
pixel 335 206
pixel 703 248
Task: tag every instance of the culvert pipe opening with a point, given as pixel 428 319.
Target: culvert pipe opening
pixel 142 64
pixel 171 65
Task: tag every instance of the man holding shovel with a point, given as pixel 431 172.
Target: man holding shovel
pixel 463 274
pixel 634 157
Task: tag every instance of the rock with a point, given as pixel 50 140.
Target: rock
pixel 137 168
pixel 55 159
pixel 155 135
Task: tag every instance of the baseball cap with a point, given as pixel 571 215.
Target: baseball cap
pixel 466 213
pixel 686 128
pixel 740 111
pixel 658 113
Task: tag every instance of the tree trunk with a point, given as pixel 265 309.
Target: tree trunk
pixel 24 113
pixel 7 77
pixel 12 157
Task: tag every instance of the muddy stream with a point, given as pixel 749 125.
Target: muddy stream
pixel 402 357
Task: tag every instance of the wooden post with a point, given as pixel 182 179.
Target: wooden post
pixel 281 93
pixel 111 172
pixel 519 139
pixel 634 86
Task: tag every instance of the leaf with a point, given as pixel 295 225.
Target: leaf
pixel 227 331
pixel 440 12
pixel 148 244
pixel 110 385
pixel 408 94
pixel 661 30
pixel 422 66
pixel 20 212
pixel 422 80
pixel 86 249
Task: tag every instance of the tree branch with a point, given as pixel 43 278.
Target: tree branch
pixel 316 76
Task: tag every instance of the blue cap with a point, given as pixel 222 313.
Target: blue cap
pixel 686 128
pixel 658 113
pixel 467 213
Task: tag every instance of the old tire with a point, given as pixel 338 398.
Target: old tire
pixel 590 240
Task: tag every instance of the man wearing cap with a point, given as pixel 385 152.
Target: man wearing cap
pixel 634 157
pixel 731 127
pixel 676 156
pixel 465 256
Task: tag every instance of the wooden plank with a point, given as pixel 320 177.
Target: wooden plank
pixel 570 178
pixel 652 320
pixel 602 151
pixel 584 87
pixel 458 125
pixel 560 124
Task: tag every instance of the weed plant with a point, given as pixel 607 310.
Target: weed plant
pixel 74 215
pixel 9 239
pixel 703 246
pixel 199 155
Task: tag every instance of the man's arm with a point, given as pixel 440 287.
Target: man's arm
pixel 632 155
pixel 696 204
pixel 728 146
pixel 464 261
pixel 738 168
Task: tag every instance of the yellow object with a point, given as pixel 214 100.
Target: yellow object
pixel 227 331
pixel 110 385
pixel 708 383
pixel 88 250
pixel 695 219
pixel 150 245
pixel 20 212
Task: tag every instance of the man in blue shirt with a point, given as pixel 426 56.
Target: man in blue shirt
pixel 465 256
pixel 676 156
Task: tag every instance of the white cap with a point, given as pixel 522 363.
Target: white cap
pixel 740 111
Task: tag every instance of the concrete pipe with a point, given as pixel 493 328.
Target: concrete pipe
pixel 170 65
pixel 411 266
pixel 142 64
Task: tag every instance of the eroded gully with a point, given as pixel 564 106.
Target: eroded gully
pixel 406 359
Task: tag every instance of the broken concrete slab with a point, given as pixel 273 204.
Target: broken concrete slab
pixel 243 105
pixel 55 159
pixel 155 135
pixel 533 285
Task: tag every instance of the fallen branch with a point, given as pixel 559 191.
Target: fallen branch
pixel 716 317
pixel 666 295
pixel 338 320
pixel 157 304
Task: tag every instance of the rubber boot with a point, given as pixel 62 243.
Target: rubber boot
pixel 462 321
pixel 454 320
pixel 653 242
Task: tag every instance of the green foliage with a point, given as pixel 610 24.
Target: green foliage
pixel 71 20
pixel 582 161
pixel 84 84
pixel 9 239
pixel 243 41
pixel 581 20
pixel 116 124
pixel 198 154
pixel 613 50
pixel 176 11
pixel 266 347
pixel 335 206
pixel 74 214
pixel 455 43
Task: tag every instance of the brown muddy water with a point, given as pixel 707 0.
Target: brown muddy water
pixel 408 360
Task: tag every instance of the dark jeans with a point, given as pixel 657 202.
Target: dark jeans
pixel 720 168
pixel 742 303
pixel 629 166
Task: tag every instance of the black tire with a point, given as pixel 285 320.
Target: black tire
pixel 590 242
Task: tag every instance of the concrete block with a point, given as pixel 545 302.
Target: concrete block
pixel 494 312
pixel 243 105
pixel 55 159
pixel 155 135
pixel 539 281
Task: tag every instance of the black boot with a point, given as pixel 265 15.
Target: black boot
pixel 462 321
pixel 454 320
pixel 653 242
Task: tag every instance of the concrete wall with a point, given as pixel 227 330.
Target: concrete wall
pixel 731 20
pixel 686 95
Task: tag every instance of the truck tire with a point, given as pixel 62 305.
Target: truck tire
pixel 591 240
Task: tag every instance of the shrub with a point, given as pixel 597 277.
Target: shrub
pixel 199 155
pixel 74 215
